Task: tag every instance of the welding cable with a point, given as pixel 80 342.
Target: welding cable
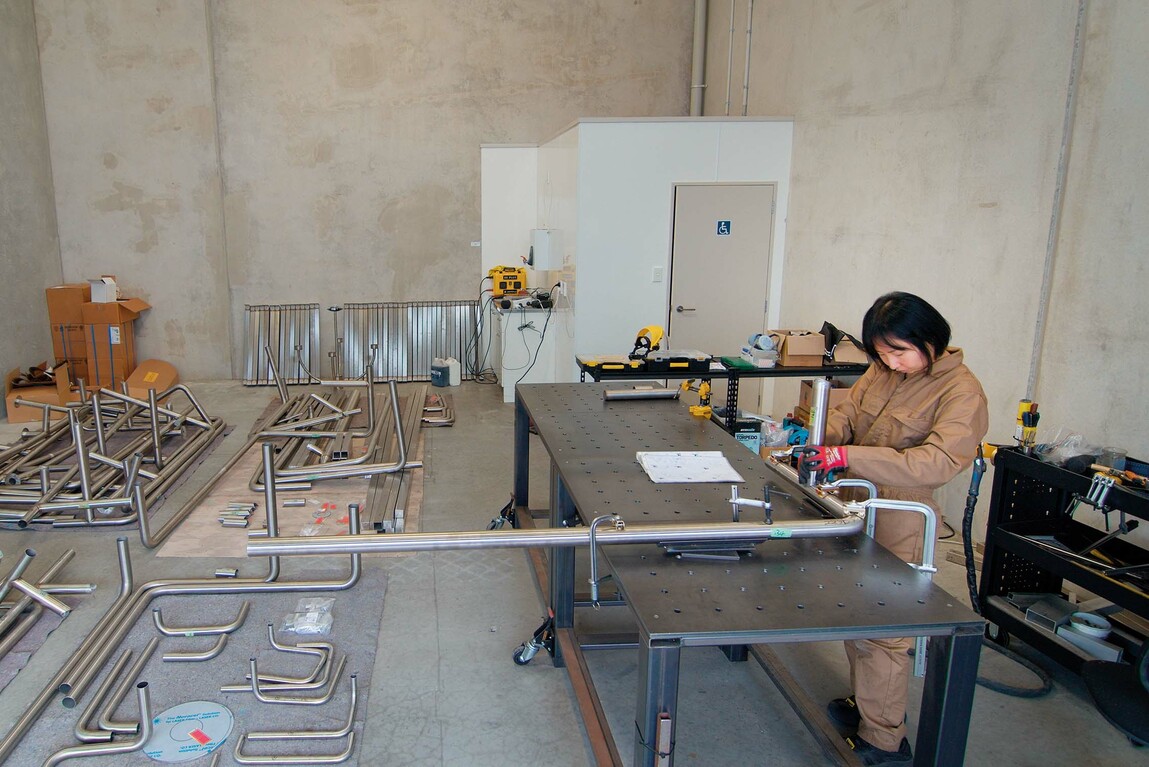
pixel 971 581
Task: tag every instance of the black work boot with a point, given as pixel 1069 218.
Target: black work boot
pixel 872 755
pixel 844 711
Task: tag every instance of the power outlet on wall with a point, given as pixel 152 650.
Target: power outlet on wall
pixel 657 273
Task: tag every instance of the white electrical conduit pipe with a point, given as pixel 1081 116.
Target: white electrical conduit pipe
pixel 698 59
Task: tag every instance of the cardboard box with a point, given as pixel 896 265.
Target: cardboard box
pixel 846 352
pixel 104 289
pixel 59 393
pixel 801 348
pixel 111 355
pixel 69 342
pixel 838 394
pixel 65 302
pixel 113 312
pixel 152 374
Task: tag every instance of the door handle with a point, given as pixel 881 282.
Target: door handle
pixel 680 309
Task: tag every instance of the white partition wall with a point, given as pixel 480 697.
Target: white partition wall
pixel 607 185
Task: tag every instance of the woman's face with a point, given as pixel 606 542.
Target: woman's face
pixel 901 356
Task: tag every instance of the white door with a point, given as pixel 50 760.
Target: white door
pixel 720 272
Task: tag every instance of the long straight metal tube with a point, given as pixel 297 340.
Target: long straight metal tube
pixel 553 537
pixel 16 572
pixel 49 601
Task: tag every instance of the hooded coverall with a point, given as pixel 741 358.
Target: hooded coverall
pixel 908 434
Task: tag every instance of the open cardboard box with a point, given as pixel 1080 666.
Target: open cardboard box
pixel 59 393
pixel 802 348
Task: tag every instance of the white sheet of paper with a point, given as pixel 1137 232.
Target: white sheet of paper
pixel 697 466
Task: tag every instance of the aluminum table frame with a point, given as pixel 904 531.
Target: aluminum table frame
pixel 785 592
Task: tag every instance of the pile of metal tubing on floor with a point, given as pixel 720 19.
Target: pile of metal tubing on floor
pixel 80 669
pixel 312 438
pixel 106 461
pixel 31 597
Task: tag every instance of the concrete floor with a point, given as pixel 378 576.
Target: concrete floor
pixel 444 690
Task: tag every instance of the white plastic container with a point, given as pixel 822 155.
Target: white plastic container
pixel 454 371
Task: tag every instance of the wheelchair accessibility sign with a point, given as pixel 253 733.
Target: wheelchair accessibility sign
pixel 723 229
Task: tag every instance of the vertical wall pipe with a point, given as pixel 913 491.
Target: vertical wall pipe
pixel 698 59
pixel 746 74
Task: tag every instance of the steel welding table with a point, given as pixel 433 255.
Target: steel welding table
pixel 800 590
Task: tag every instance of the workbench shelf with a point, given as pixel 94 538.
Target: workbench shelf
pixel 1028 508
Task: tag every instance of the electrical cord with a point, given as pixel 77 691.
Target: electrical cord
pixel 971 581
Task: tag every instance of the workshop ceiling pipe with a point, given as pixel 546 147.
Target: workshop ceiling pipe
pixel 698 59
pixel 555 537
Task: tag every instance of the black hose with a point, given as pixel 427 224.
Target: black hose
pixel 971 580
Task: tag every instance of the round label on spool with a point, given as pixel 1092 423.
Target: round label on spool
pixel 188 731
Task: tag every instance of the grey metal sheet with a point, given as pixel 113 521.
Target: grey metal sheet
pixel 793 590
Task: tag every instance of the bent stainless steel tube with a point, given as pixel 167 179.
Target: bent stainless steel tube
pixel 343 756
pixel 553 537
pixel 111 633
pixel 82 730
pixel 263 697
pixel 313 734
pixel 103 749
pixel 194 657
pixel 111 703
pixel 191 631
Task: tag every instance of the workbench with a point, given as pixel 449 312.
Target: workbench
pixel 722 371
pixel 799 590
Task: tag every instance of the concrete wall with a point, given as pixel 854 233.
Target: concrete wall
pixel 925 159
pixel 29 251
pixel 215 154
pixel 131 116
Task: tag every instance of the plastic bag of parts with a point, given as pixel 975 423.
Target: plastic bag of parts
pixel 773 435
pixel 1068 449
pixel 312 617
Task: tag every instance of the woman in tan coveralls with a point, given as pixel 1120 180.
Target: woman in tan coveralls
pixel 911 423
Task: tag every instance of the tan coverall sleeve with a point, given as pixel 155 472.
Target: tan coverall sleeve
pixel 960 423
pixel 840 420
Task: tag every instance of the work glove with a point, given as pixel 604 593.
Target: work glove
pixel 823 460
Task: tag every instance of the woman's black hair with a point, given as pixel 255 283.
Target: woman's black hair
pixel 900 318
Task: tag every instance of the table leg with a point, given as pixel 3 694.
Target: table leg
pixel 947 699
pixel 731 401
pixel 657 702
pixel 562 561
pixel 521 459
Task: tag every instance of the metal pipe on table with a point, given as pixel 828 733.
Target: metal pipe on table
pixel 554 537
pixel 126 747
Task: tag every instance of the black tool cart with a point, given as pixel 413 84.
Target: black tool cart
pixel 1034 546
